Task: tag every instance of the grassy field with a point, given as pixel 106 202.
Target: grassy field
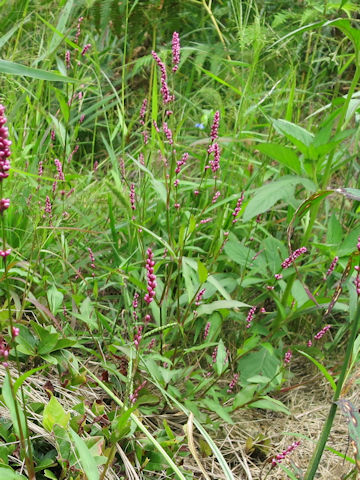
pixel 180 239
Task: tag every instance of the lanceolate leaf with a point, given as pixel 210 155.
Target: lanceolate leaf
pixel 13 68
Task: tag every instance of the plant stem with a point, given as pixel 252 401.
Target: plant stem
pixel 315 460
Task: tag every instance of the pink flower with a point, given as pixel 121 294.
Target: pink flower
pixel 86 49
pixel 215 126
pixel 67 59
pixel 332 267
pixel 199 296
pixel 175 51
pixel 288 262
pixel 165 91
pixel 322 332
pixel 287 356
pixel 143 111
pixel 215 163
pixel 207 329
pixel 280 457
pixel 151 278
pixel 233 383
pixel 250 317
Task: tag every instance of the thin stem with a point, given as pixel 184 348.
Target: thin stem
pixel 315 460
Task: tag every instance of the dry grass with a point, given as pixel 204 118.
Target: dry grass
pixel 308 402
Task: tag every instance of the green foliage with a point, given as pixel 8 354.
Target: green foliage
pixel 78 281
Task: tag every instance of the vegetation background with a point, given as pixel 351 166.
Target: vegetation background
pixel 180 238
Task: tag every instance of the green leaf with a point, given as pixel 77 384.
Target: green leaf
pixel 54 414
pixel 244 396
pixel 218 409
pixel 13 68
pixel 86 458
pixel 220 364
pixel 19 381
pixel 208 308
pixel 7 474
pixel 322 369
pixel 284 155
pixel 202 272
pixel 55 299
pixel 266 196
pixel 334 231
pixel 268 403
pixel 10 403
pixel 262 362
pixel 87 313
pixel 300 137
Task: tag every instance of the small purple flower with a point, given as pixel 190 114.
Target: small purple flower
pixel 206 220
pixel 168 133
pixel 278 276
pixel 138 337
pixel 175 51
pixel 332 267
pixel 322 332
pixel 215 126
pixel 250 317
pixel 280 457
pixel 199 296
pixel 287 357
pixel 92 260
pixel 214 354
pixel 200 126
pixel 134 396
pixel 85 49
pixel 78 31
pixel 181 162
pixel 165 91
pixel 233 383
pixel 207 329
pixel 215 163
pixel 4 204
pixel 288 261
pixel 67 59
pixel 215 197
pixel 143 111
pixel 48 207
pixel 132 197
pixel 151 278
pixel 238 207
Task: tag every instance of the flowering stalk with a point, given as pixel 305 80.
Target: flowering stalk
pixel 175 51
pixel 151 278
pixel 5 153
pixel 280 457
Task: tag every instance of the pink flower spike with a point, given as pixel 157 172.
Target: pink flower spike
pixel 67 60
pixel 143 111
pixel 287 357
pixel 207 329
pixel 85 49
pixel 280 457
pixel 215 197
pixel 233 383
pixel 15 332
pixel 332 267
pixel 175 51
pixel 4 204
pixel 322 332
pixel 151 278
pixel 215 126
pixel 250 317
pixel 289 261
